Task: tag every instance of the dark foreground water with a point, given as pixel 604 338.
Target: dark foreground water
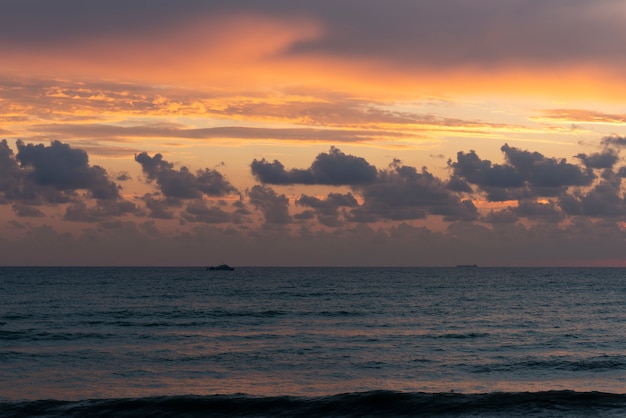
pixel 312 342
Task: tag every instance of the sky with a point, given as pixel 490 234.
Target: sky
pixel 306 133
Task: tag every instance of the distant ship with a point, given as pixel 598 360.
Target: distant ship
pixel 467 265
pixel 222 267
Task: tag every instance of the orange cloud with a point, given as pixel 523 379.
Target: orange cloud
pixel 580 116
pixel 222 49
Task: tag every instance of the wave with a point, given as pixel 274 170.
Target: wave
pixel 592 364
pixel 361 404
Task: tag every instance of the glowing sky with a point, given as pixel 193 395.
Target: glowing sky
pixel 275 132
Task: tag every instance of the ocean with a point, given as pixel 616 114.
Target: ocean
pixel 349 342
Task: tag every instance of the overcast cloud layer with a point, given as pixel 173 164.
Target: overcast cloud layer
pixel 451 32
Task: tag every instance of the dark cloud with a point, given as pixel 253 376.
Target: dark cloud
pixel 332 201
pixel 444 33
pixel 604 200
pixel 26 211
pixel 327 210
pixel 403 193
pixel 545 173
pixel 617 141
pixel 525 174
pixel 482 173
pixel 304 215
pixel 182 183
pixel 241 212
pixel 275 208
pixel 79 211
pixel 450 33
pixel 68 21
pixel 398 193
pixel 198 211
pixel 332 168
pixel 505 216
pixel 275 173
pixel 161 208
pixel 124 176
pixel 457 184
pixel 11 177
pixel 63 168
pixel 531 209
pixel 599 160
pixel 52 174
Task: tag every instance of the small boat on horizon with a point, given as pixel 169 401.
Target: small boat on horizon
pixel 467 265
pixel 221 267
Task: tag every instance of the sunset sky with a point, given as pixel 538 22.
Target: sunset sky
pixel 354 132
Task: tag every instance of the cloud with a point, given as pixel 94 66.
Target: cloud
pixel 567 205
pixel 546 173
pixel 599 160
pixel 103 131
pixel 182 183
pixel 457 184
pixel 525 174
pixel 531 209
pixel 79 211
pixel 11 176
pixel 198 211
pixel 505 216
pixel 367 41
pixel 482 173
pixel 96 114
pixel 241 213
pixel 327 210
pixel 443 33
pixel 403 193
pixel 67 20
pixel 305 215
pixel 349 112
pixel 484 34
pixel 397 193
pixel 333 168
pixel 161 208
pixel 580 116
pixel 26 211
pixel 614 140
pixel 123 176
pixel 63 168
pixel 602 201
pixel 275 207
pixel 52 174
pixel 363 46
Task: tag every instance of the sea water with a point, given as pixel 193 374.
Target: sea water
pixel 312 342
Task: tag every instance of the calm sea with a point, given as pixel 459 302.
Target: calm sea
pixel 312 342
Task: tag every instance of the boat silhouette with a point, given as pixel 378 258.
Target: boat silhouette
pixel 221 267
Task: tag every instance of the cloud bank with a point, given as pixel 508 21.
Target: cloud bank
pixel 445 33
pixel 374 209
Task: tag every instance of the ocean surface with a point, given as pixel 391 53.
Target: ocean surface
pixel 154 342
